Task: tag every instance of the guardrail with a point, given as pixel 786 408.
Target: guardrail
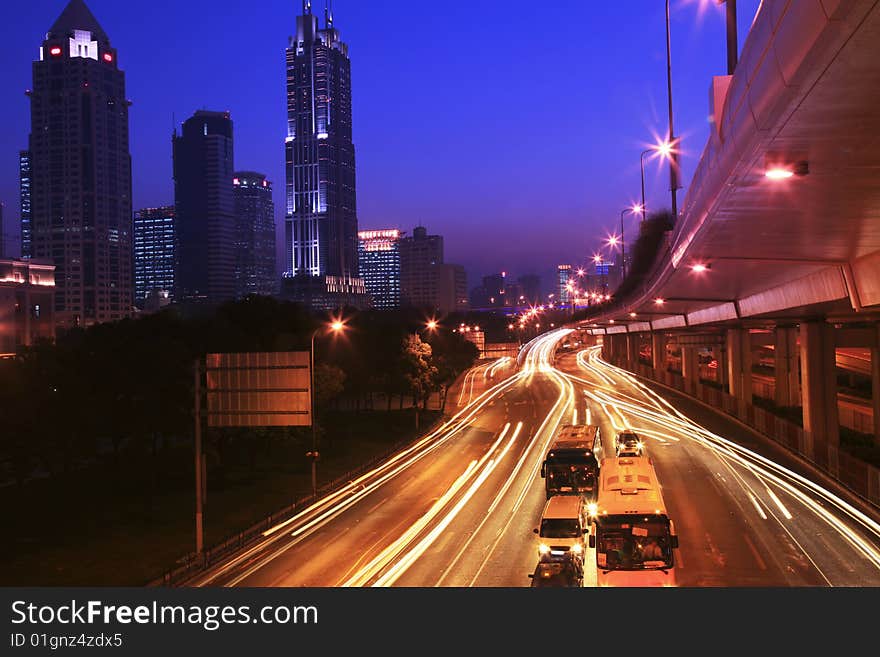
pixel 193 565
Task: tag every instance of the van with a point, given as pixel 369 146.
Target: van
pixel 563 526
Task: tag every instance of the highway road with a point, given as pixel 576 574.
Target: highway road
pixel 457 508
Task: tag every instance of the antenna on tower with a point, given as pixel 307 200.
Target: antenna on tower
pixel 328 13
pixel 307 7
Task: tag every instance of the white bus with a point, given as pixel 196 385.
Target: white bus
pixel 631 531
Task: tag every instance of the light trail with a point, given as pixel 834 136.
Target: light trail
pixel 324 510
pixel 655 409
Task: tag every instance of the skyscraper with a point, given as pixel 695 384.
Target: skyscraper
pixel 379 263
pixel 24 190
pixel 80 170
pixel 564 286
pixel 321 215
pixel 254 235
pixel 531 288
pixel 205 209
pixel 153 254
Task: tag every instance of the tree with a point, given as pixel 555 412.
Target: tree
pixel 452 354
pixel 419 371
pixel 329 382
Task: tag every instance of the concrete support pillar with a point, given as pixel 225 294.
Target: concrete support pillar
pixel 690 366
pixel 658 351
pixel 739 364
pixel 721 373
pixel 819 385
pixel 632 350
pixel 875 391
pixel 787 365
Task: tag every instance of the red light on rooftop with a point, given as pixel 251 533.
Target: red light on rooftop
pixel 55 51
pixel 108 57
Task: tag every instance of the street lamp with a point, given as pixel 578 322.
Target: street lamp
pixel 633 209
pixel 642 167
pixel 335 327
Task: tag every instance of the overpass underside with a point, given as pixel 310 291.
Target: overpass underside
pixel 777 246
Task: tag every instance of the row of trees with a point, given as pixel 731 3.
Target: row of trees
pixel 95 393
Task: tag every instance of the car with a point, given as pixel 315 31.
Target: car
pixel 628 443
pixel 558 572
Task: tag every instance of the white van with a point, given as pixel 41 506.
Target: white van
pixel 563 525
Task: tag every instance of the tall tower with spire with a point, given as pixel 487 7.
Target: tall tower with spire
pixel 321 214
pixel 80 170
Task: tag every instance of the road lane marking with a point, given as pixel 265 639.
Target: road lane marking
pixel 758 506
pixel 779 504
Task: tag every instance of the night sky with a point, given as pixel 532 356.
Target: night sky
pixel 512 128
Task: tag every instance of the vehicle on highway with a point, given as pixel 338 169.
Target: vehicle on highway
pixel 554 572
pixel 628 443
pixel 571 466
pixel 631 530
pixel 564 523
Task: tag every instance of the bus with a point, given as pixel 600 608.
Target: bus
pixel 571 466
pixel 632 533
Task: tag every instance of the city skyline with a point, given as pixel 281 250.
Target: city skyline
pixel 494 194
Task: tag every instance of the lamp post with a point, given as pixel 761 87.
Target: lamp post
pixel 642 168
pixel 633 209
pixel 673 174
pixel 335 327
pixel 732 44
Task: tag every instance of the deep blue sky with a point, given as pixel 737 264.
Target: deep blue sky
pixel 511 127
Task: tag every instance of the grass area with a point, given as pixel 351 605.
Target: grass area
pixel 127 521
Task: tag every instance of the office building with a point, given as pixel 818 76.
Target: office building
pixel 24 192
pixel 564 286
pixel 321 248
pixel 530 288
pixel 27 300
pixel 79 170
pixel 452 293
pixel 419 255
pixel 204 209
pixel 379 265
pixel 254 235
pixel 153 255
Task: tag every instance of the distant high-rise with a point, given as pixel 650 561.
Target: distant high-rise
pixel 204 208
pixel 530 285
pixel 379 263
pixel 321 215
pixel 254 235
pixel 452 293
pixel 2 234
pixel 563 291
pixel 153 254
pixel 80 171
pixel 419 255
pixel 24 190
